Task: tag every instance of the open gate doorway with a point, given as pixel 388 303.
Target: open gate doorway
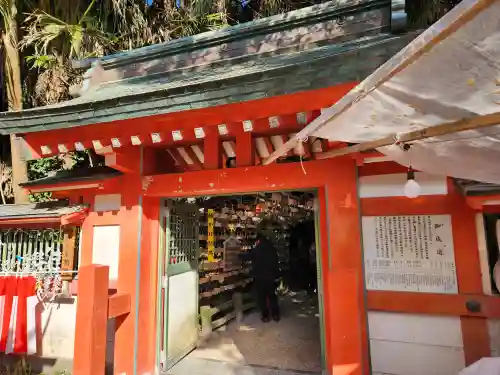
pixel 178 293
pixel 183 292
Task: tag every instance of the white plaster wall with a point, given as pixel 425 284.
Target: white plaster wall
pixel 58 321
pixel 494 331
pixel 410 344
pixel 107 202
pixel 58 335
pixel 58 331
pixel 483 255
pixel 106 248
pixel 392 185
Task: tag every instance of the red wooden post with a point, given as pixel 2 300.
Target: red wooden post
pixel 212 148
pixel 347 347
pixel 245 153
pixel 475 334
pixel 91 320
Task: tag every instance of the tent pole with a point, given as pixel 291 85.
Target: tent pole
pixel 473 123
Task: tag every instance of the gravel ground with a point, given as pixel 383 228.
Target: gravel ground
pixel 291 344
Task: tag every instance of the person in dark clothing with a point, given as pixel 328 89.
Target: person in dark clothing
pixel 265 270
pixel 312 283
pixel 301 238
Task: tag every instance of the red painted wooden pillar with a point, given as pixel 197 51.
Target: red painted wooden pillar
pixel 345 309
pixel 148 286
pixel 245 149
pixel 345 303
pixel 130 220
pixel 212 150
pixel 91 320
pixel 475 334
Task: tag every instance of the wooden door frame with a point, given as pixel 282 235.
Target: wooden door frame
pixel 319 273
pixel 335 181
pixel 161 269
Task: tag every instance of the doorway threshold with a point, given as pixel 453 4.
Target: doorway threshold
pixel 201 366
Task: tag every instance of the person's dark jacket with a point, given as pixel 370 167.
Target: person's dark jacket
pixel 264 258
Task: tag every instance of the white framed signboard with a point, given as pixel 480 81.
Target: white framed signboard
pixel 411 253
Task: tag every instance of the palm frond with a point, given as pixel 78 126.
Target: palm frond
pixel 45 33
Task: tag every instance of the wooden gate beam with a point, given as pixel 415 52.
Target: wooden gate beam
pixel 434 303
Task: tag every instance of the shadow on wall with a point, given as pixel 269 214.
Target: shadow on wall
pixel 55 340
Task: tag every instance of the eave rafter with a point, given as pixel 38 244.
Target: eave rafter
pixel 273 115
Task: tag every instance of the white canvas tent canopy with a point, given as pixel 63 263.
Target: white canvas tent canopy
pixel 449 74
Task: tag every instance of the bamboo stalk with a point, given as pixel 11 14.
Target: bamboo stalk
pixel 473 123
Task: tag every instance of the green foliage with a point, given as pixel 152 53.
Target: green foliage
pixel 54 32
pixel 38 61
pixel 41 168
pixel 50 36
pixel 423 13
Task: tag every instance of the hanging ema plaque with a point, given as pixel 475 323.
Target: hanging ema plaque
pixel 409 253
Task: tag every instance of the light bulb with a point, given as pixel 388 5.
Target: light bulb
pixel 412 189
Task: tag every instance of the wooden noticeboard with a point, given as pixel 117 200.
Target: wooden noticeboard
pixel 409 253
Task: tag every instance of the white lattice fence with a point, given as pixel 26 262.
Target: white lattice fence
pixel 36 252
pixel 38 247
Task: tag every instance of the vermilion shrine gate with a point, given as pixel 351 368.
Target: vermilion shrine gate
pixel 167 117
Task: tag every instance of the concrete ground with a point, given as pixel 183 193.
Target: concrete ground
pixel 254 348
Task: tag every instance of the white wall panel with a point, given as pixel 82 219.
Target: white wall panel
pixel 483 254
pixel 392 185
pixel 107 202
pixel 58 337
pixel 400 342
pixel 420 329
pixel 106 248
pixel 494 332
pixel 401 358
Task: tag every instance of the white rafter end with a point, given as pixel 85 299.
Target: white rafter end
pixel 156 137
pixel 302 118
pixel 247 125
pixel 46 150
pixel 62 148
pixel 136 141
pixel 222 129
pixel 79 146
pixel 177 135
pixel 115 142
pixel 274 122
pixel 199 133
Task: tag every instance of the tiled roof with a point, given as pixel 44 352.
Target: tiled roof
pixel 49 209
pixel 475 188
pixel 73 176
pixel 312 48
